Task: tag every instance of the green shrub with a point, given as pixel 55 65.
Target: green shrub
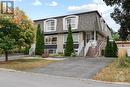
pixel 69 45
pixel 108 48
pixel 114 49
pixel 111 49
pixel 39 42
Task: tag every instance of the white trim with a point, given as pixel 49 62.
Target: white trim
pixel 45 25
pixel 64 22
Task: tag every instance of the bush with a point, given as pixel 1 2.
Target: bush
pixel 111 49
pixel 108 49
pixel 114 49
pixel 39 42
pixel 69 45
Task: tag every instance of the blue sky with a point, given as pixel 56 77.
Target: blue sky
pixel 37 9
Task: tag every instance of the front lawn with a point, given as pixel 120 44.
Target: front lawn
pixel 114 73
pixel 25 64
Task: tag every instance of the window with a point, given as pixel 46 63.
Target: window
pixel 75 38
pixel 72 20
pixel 50 25
pixel 54 40
pixel 50 40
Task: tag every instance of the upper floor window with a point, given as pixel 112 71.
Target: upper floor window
pixel 50 25
pixel 70 20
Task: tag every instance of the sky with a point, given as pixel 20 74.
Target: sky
pixel 38 9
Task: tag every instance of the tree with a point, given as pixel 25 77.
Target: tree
pixel 17 27
pixel 7 42
pixel 25 35
pixel 123 34
pixel 39 41
pixel 121 15
pixel 116 36
pixel 108 48
pixel 114 49
pixel 69 44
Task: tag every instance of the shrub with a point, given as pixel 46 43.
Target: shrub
pixel 69 45
pixel 114 49
pixel 111 49
pixel 39 42
pixel 108 48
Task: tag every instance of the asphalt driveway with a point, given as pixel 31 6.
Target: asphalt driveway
pixel 75 67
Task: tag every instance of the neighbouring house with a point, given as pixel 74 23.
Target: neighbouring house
pixel 88 28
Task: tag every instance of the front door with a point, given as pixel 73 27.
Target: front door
pixel 88 37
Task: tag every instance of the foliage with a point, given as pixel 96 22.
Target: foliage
pixel 39 41
pixel 69 44
pixel 123 34
pixel 7 42
pixel 114 49
pixel 121 15
pixel 108 48
pixel 24 34
pixel 111 49
pixel 116 36
pixel 17 27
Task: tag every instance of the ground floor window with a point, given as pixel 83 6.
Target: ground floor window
pixel 75 38
pixel 50 40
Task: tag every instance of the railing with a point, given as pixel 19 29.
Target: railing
pixel 92 43
pixel 100 47
pixel 80 47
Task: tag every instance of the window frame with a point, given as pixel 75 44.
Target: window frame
pixel 75 42
pixel 65 25
pixel 48 29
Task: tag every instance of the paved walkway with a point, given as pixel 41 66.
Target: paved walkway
pixel 21 79
pixel 75 67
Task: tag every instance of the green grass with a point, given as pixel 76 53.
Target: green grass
pixel 114 72
pixel 25 64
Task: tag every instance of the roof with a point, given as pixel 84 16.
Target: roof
pixel 69 14
pixel 75 14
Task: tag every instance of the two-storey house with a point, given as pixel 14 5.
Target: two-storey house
pixel 88 28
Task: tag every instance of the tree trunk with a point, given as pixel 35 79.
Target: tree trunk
pixel 6 56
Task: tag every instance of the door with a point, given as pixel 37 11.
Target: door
pixel 88 37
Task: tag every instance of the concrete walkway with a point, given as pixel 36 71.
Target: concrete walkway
pixel 23 79
pixel 75 67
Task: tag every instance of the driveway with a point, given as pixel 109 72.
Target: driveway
pixel 22 79
pixel 75 67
